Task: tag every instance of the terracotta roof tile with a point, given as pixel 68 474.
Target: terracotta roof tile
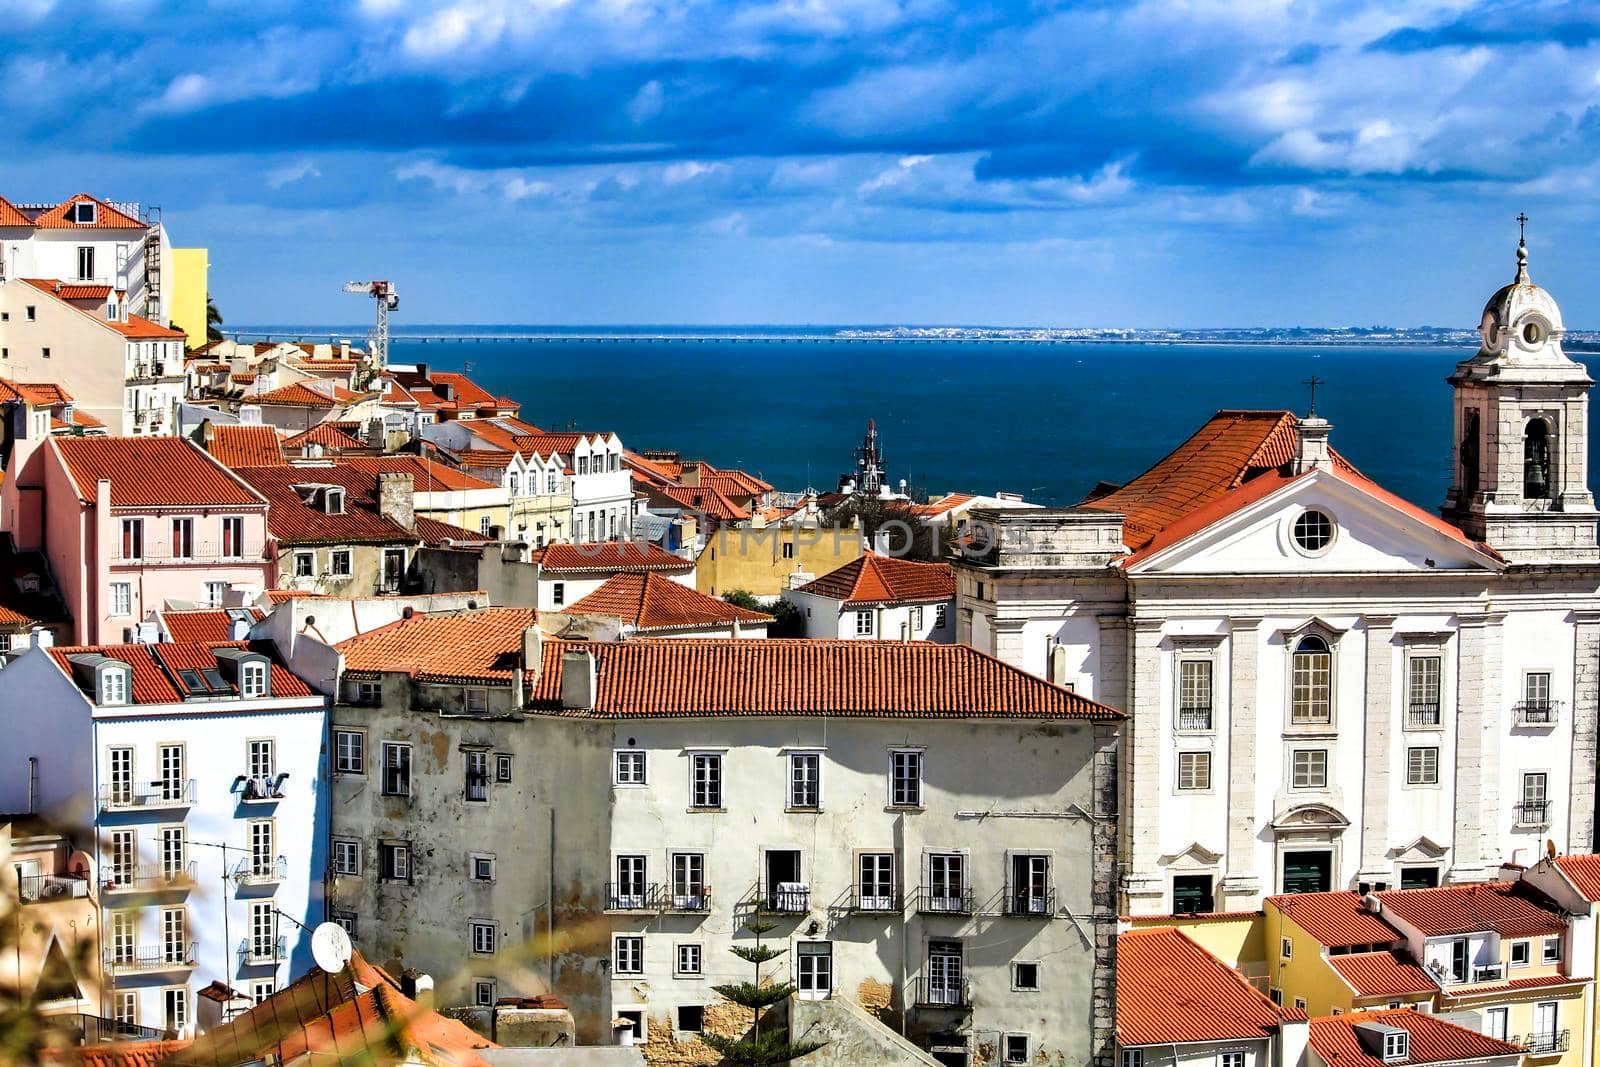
pixel 1378 974
pixel 330 435
pixel 106 217
pixel 152 665
pixel 1544 981
pixel 151 472
pixel 670 677
pixel 1584 871
pixel 10 216
pixel 1169 989
pixel 121 1054
pixel 613 556
pixel 948 502
pixel 318 393
pixel 294 522
pixel 708 501
pixel 429 476
pixel 648 601
pixel 81 291
pixel 203 624
pixel 246 446
pixel 1508 908
pixel 468 645
pixel 877 579
pixel 135 327
pixel 1336 919
pixel 1433 1040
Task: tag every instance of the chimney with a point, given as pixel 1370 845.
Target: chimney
pixel 395 499
pixel 344 349
pixel 690 473
pixel 1294 1036
pixel 577 680
pixel 238 629
pixel 1312 449
pixel 417 985
pixel 529 658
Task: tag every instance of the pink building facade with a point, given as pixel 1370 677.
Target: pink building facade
pixel 132 525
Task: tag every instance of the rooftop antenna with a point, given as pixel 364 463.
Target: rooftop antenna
pixel 387 299
pixel 1313 382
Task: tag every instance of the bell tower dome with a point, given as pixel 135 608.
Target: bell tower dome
pixel 1522 432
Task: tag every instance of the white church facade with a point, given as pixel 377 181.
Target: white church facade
pixel 1330 687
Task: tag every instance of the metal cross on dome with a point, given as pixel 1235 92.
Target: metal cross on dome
pixel 1522 227
pixel 1313 382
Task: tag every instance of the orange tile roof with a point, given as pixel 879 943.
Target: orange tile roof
pixel 326 394
pixel 1433 1040
pixel 81 291
pixel 10 216
pixel 39 394
pixel 1584 872
pixel 121 1054
pixel 246 446
pixel 202 624
pixel 673 677
pixel 1171 990
pixel 1379 974
pixel 708 501
pixel 135 327
pixel 106 218
pixel 152 472
pixel 946 503
pixel 1508 908
pixel 334 435
pixel 153 666
pixel 651 602
pixel 1515 985
pixel 139 327
pixel 441 646
pixel 428 476
pixel 614 556
pixel 878 579
pixel 294 522
pixel 1336 919
pixel 650 471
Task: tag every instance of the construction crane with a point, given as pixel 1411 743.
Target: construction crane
pixel 388 299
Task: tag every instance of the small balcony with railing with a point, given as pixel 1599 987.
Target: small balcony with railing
pixel 155 796
pixel 85 1029
pixel 691 900
pixel 150 878
pixel 176 956
pixel 1423 716
pixel 1194 718
pixel 260 788
pixel 1494 972
pixel 945 900
pixel 628 897
pixel 1548 1043
pixel 201 550
pixel 260 870
pixel 943 994
pixel 263 951
pixel 46 888
pixel 781 898
pixel 1533 814
pixel 873 899
pixel 1028 902
pixel 1536 714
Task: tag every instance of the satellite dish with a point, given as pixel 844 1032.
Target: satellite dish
pixel 330 947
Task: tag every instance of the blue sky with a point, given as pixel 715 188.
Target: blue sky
pixel 1175 162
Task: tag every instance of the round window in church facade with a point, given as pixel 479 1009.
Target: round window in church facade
pixel 1313 531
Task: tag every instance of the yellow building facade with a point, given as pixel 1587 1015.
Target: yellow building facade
pixel 764 561
pixel 186 299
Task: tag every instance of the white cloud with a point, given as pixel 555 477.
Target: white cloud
pixel 646 103
pixel 893 176
pixel 688 170
pixel 290 173
pixel 186 92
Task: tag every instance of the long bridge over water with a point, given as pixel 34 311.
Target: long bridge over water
pixel 810 339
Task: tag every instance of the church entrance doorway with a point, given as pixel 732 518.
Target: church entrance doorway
pixel 1307 872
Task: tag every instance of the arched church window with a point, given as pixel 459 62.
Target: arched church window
pixel 1469 457
pixel 1536 460
pixel 1312 669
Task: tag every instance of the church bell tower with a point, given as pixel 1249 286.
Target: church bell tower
pixel 1522 432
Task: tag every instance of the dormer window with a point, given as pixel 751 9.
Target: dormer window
pixel 111 311
pixel 1396 1047
pixel 253 679
pixel 333 501
pixel 84 212
pixel 114 685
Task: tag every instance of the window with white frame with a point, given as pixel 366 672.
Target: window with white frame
pixel 114 686
pixel 305 564
pixel 1396 1046
pixel 1133 1057
pixel 174 936
pixel 263 989
pixel 394 861
pixel 1194 694
pixel 628 955
pixel 263 930
pixel 482 867
pixel 121 599
pixel 483 525
pixel 916 620
pixel 1521 953
pixel 262 833
pixel 125 1007
pixel 905 778
pixel 396 769
pixel 1231 1058
pixel 182 538
pixel 705 780
pixel 175 1006
pixel 483 992
pixel 863 623
pixel 689 960
pixel 1016 1048
pixel 502 767
pixel 253 678
pixel 1423 674
pixel 1194 771
pixel 346 856
pixel 1025 975
pixel 213 594
pixel 805 780
pixel 485 937
pixel 558 593
pixel 174 852
pixel 349 752
pixel 1310 768
pixel 939 613
pixel 339 562
pixel 369 692
pixel 132 539
pixel 1312 681
pixel 232 536
pixel 629 766
pixel 1552 950
pixel 1422 765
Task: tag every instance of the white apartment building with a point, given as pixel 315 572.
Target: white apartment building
pixel 630 804
pixel 88 241
pixel 122 369
pixel 877 596
pixel 199 766
pixel 1330 687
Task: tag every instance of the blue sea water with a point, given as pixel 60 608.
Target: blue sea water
pixel 1046 420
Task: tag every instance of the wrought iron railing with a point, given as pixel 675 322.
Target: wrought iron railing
pixel 130 796
pixel 783 898
pixel 1540 1044
pixel 633 896
pixel 1194 718
pixel 943 993
pixel 1536 712
pixel 1533 813
pixel 254 870
pixel 262 787
pixel 257 950
pixel 944 900
pixel 1422 716
pixel 875 898
pixel 154 876
pixel 95 1029
pixel 179 955
pixel 693 899
pixel 43 888
pixel 1029 902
